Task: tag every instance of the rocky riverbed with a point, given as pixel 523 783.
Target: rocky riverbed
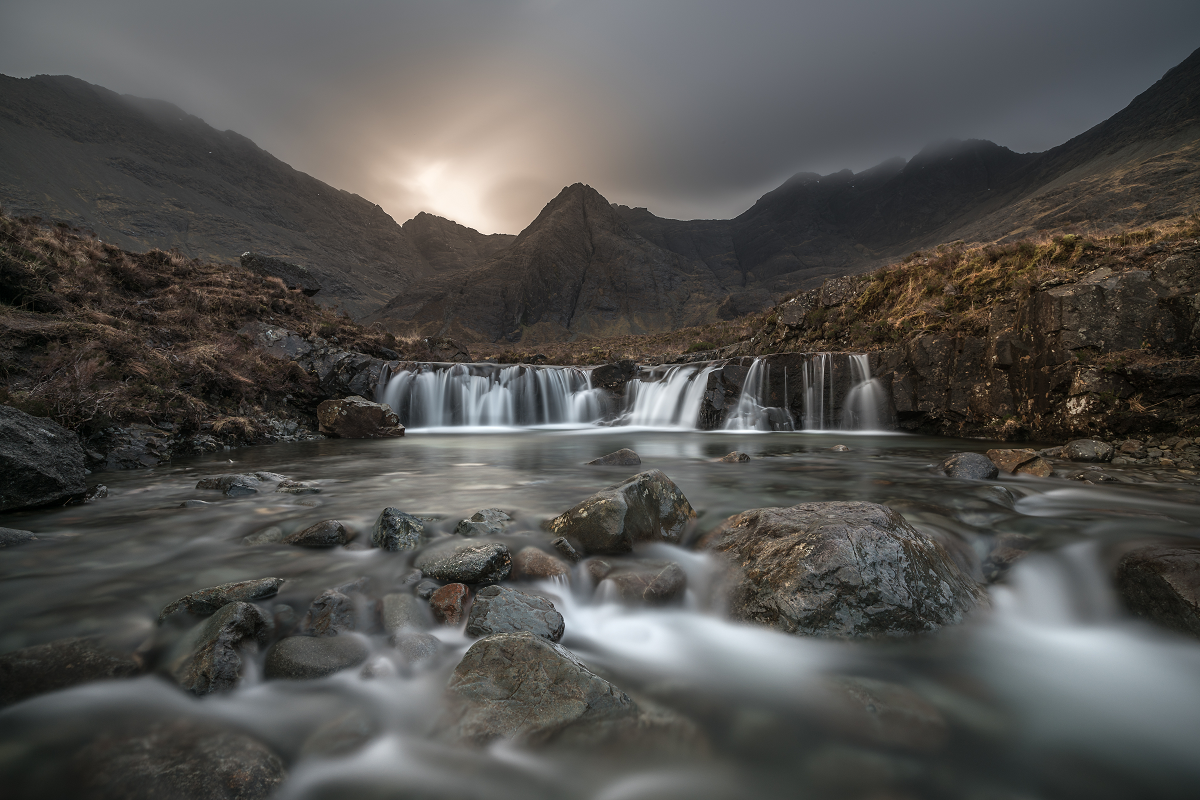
pixel 700 615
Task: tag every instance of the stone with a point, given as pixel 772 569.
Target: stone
pixel 296 487
pixel 646 583
pixel 1133 448
pixel 425 588
pixel 736 457
pixel 271 535
pixel 308 657
pixel 240 484
pixel 181 759
pixel 331 613
pixel 488 522
pixel 208 601
pixel 1009 460
pixel 209 659
pixel 840 448
pixel 523 688
pixel 645 508
pixel 1038 467
pixel 10 537
pixel 449 602
pixel 41 462
pixel 358 418
pixel 597 568
pixel 465 562
pixel 395 531
pixel 882 714
pixel 326 533
pixel 403 612
pixel 498 609
pixel 1088 450
pixel 564 547
pixel 1162 583
pixel 842 570
pixel 340 736
pixel 621 458
pixel 530 563
pixel 969 466
pixel 1007 549
pixel 294 276
pixel 59 665
pixel 418 648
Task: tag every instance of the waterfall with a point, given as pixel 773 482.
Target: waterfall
pixel 866 403
pixel 671 402
pixel 817 378
pixel 752 412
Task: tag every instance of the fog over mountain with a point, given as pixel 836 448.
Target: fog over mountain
pixel 481 111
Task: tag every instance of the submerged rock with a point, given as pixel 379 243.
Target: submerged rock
pixel 208 659
pixel 488 522
pixel 308 657
pixel 736 457
pixel 530 563
pixel 647 507
pixel 1021 462
pixel 358 418
pixel 271 535
pixel 208 601
pixel 11 536
pixel 501 610
pixel 241 484
pixel 182 760
pixel 1088 450
pixel 403 612
pixel 449 602
pixel 465 562
pixel 296 487
pixel 621 458
pixel 395 531
pixel 331 613
pixel 970 466
pixel 326 533
pixel 59 665
pixel 417 648
pixel 41 462
pixel 1162 583
pixel 882 714
pixel 645 582
pixel 841 569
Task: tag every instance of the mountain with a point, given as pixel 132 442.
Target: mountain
pixel 578 269
pixel 143 173
pixel 447 246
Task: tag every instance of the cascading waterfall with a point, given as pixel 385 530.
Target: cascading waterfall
pixel 818 387
pixel 672 402
pixel 866 402
pixel 752 412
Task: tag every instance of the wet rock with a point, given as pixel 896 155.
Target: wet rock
pixel 425 589
pixel 340 736
pixel 418 648
pixel 647 507
pixel 1037 467
pixel 564 547
pixel 621 458
pixel 271 535
pixel 1089 450
pixel 395 531
pixel 240 484
pixel 296 487
pixel 208 601
pixel 520 687
pixel 326 533
pixel 331 613
pixel 41 462
pixel 614 376
pixel 647 583
pixel 11 536
pixel 501 610
pixel 840 448
pixel 358 418
pixel 446 350
pixel 1132 448
pixel 882 714
pixel 598 568
pixel 449 602
pixel 840 569
pixel 969 466
pixel 403 612
pixel 488 522
pixel 736 457
pixel 1007 549
pixel 208 659
pixel 1162 583
pixel 465 562
pixel 308 657
pixel 532 564
pixel 94 493
pixel 1021 462
pixel 59 665
pixel 181 760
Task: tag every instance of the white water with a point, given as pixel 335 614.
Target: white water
pixel 866 403
pixel 672 402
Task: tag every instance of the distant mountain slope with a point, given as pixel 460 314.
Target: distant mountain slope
pixel 143 173
pixel 447 246
pixel 576 270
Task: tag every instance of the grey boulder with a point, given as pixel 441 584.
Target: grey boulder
pixel 488 522
pixel 41 462
pixel 403 612
pixel 970 466
pixel 308 657
pixel 326 533
pixel 208 601
pixel 465 562
pixel 621 458
pixel 645 508
pixel 11 536
pixel 209 658
pixel 395 531
pixel 1088 450
pixel 1162 583
pixel 498 609
pixel 331 613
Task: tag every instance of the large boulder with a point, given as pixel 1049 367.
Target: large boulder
pixel 58 665
pixel 211 600
pixel 465 562
pixel 840 569
pixel 501 610
pixel 294 276
pixel 1162 583
pixel 395 531
pixel 41 462
pixel 358 418
pixel 645 508
pixel 209 658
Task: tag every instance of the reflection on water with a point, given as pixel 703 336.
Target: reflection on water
pixel 1054 692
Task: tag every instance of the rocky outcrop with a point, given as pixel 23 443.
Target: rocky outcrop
pixel 648 507
pixel 41 462
pixel 358 418
pixel 840 569
pixel 294 276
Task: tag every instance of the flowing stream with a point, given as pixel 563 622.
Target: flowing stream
pixel 1054 691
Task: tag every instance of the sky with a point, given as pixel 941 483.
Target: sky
pixel 482 110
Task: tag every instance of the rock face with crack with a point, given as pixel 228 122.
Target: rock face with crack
pixel 840 569
pixel 648 507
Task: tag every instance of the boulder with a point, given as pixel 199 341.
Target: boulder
pixel 449 602
pixel 403 612
pixel 358 418
pixel 417 648
pixel 208 601
pixel 181 759
pixel 530 563
pixel 296 487
pixel 10 537
pixel 465 562
pixel 1021 462
pixel 331 613
pixel 488 522
pixel 1162 583
pixel 294 276
pixel 736 457
pixel 268 535
pixel 621 458
pixel 41 462
pixel 59 665
pixel 326 533
pixel 969 466
pixel 501 610
pixel 308 657
pixel 614 376
pixel 1007 549
pixel 208 659
pixel 1088 450
pixel 521 687
pixel 395 531
pixel 645 582
pixel 840 569
pixel 645 508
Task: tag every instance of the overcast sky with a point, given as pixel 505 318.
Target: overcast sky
pixel 482 110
